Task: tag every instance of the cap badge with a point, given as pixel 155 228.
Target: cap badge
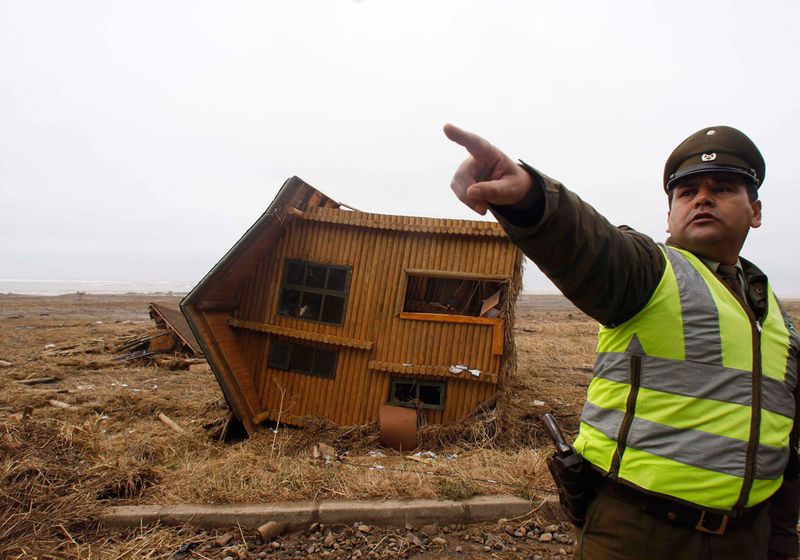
pixel 708 157
pixel 711 132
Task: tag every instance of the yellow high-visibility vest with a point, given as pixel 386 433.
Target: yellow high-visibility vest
pixel 692 398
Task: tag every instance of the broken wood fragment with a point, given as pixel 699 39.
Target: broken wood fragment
pixel 170 423
pixel 36 380
pixel 60 404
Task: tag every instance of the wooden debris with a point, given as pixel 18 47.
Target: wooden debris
pixel 36 380
pixel 418 459
pixel 170 423
pixel 271 529
pixel 60 404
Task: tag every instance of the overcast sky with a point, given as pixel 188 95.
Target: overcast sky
pixel 139 140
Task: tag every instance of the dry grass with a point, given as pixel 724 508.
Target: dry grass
pixel 59 467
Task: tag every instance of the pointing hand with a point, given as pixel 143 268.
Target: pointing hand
pixel 487 175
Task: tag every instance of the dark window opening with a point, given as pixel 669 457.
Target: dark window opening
pixel 314 292
pixel 412 392
pixel 302 358
pixel 453 296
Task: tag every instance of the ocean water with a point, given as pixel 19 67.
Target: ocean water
pixel 39 287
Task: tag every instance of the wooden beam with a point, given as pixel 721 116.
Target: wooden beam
pixel 279 330
pixel 413 370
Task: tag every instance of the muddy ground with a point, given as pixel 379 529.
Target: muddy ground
pixel 91 438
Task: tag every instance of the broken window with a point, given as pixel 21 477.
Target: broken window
pixel 453 296
pixel 302 358
pixel 411 392
pixel 314 292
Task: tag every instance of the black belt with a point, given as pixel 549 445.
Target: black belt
pixel 678 513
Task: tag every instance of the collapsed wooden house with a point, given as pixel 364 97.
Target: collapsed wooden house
pixel 323 311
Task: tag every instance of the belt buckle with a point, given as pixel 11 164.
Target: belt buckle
pixel 718 531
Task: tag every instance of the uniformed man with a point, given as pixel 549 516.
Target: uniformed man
pixel 691 417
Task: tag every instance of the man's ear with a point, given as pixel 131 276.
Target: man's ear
pixel 668 213
pixel 756 219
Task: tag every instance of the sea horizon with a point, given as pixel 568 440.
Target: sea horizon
pixel 49 287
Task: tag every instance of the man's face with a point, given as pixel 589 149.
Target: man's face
pixel 711 214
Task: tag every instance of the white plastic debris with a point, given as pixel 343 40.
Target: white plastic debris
pixel 475 372
pixel 49 346
pixel 425 455
pixel 377 454
pixel 538 403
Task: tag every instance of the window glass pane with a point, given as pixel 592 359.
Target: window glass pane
pixel 315 276
pixel 278 355
pixel 333 310
pixel 337 279
pixel 302 358
pixel 294 273
pixel 310 306
pixel 403 392
pixel 430 394
pixel 290 302
pixel 324 362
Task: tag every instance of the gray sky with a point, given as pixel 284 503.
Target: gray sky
pixel 139 140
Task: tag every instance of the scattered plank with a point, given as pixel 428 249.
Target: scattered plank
pixel 170 423
pixel 60 404
pixel 36 380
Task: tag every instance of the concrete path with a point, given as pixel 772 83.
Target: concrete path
pixel 330 512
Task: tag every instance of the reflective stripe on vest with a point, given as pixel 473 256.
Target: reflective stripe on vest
pixel 688 398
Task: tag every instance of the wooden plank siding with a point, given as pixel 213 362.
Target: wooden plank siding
pixel 379 249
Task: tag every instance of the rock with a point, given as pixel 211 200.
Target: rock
pixel 275 545
pixel 4 363
pixel 537 557
pixel 487 548
pixel 409 527
pixel 562 552
pixel 235 552
pixel 546 537
pixel 459 549
pixel 324 451
pixel 365 528
pixel 262 554
pixel 229 558
pixel 223 540
pixel 519 534
pixel 551 528
pixel 429 530
pixel 311 549
pixel 439 541
pixel 415 540
pixel 329 540
pixel 508 529
pixel 313 527
pixel 502 521
pixel 272 529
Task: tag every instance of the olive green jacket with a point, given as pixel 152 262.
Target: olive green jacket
pixel 610 273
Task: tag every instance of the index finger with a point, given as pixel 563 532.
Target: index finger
pixel 474 144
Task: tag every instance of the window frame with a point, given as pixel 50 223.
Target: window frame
pixel 274 343
pixel 415 382
pixel 286 285
pixel 503 281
